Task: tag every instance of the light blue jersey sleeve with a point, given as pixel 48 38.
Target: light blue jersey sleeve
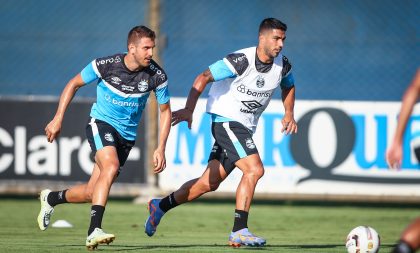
pixel 88 73
pixel 162 93
pixel 288 81
pixel 220 71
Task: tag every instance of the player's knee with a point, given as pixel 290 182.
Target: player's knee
pixel 256 172
pixel 111 171
pixel 213 186
pixel 209 186
pixel 88 196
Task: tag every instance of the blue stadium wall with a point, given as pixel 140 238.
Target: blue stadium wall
pixel 340 50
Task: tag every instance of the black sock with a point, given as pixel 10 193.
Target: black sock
pixel 167 203
pixel 241 220
pixel 55 198
pixel 96 214
pixel 403 247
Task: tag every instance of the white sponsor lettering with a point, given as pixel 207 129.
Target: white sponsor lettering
pixel 125 103
pixel 239 59
pixel 6 141
pixel 127 87
pixel 109 60
pixel 38 157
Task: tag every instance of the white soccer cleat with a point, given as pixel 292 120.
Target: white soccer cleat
pixel 98 236
pixel 46 211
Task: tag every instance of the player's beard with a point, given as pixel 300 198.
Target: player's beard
pixel 275 52
pixel 271 53
pixel 143 62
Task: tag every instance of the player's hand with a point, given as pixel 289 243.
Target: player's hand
pixel 159 161
pixel 394 156
pixel 289 124
pixel 53 129
pixel 182 115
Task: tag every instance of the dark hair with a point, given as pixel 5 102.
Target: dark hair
pixel 272 23
pixel 138 32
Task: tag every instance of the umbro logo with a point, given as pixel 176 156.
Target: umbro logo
pixel 253 104
pixel 115 80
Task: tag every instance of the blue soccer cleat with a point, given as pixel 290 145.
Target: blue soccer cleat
pixel 155 214
pixel 244 237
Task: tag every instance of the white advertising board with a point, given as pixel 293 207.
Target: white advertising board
pixel 339 149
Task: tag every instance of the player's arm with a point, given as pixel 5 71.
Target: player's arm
pixel 164 129
pixel 287 85
pixel 54 127
pixel 198 86
pixel 394 153
pixel 288 121
pixel 231 66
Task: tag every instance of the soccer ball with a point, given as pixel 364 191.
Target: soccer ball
pixel 363 239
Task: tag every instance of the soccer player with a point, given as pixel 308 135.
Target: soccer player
pixel 410 238
pixel 124 84
pixel 243 84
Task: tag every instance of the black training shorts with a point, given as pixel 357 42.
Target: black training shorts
pixel 233 141
pixel 101 134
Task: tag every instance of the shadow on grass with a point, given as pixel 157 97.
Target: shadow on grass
pixel 191 247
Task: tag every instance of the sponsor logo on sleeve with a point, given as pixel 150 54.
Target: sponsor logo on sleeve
pixel 109 60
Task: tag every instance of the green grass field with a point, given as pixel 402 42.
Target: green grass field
pixel 200 226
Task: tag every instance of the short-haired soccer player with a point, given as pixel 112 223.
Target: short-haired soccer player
pixel 124 83
pixel 243 83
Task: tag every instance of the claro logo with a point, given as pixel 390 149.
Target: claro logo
pixel 38 157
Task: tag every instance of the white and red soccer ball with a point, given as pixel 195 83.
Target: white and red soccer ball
pixel 363 239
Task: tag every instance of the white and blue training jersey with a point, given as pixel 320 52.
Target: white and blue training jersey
pixel 244 86
pixel 122 94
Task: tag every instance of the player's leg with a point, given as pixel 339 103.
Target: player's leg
pixel 253 170
pixel 108 164
pixel 209 181
pixel 237 140
pixel 76 194
pixel 410 238
pixel 83 193
pixel 111 151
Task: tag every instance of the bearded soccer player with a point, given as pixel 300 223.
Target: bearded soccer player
pixel 242 85
pixel 124 83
